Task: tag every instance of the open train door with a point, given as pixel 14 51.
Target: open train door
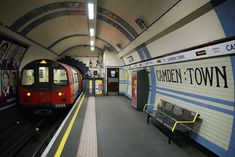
pixel 112 81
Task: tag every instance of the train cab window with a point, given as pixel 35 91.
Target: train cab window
pixel 76 78
pixel 43 74
pixel 60 77
pixel 74 75
pixel 27 77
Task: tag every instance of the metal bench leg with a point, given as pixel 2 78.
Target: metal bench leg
pixel 148 119
pixel 169 138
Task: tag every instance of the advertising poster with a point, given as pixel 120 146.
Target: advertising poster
pixel 98 87
pixel 90 87
pixel 11 54
pixel 134 90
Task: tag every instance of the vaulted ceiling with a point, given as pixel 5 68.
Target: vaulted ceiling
pixel 59 25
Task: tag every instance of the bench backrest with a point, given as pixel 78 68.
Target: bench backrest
pixel 188 115
pixel 178 113
pixel 168 107
pixel 161 105
pixel 149 108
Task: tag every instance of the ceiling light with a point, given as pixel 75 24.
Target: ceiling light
pixel 141 23
pixel 92 48
pixel 91 11
pixel 119 45
pixel 92 42
pixel 92 32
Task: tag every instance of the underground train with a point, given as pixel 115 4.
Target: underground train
pixel 48 84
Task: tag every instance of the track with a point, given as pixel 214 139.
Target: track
pixel 43 137
pixel 28 137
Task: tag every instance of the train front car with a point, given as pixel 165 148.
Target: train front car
pixel 48 84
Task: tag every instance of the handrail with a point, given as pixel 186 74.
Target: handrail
pixel 154 106
pixel 185 122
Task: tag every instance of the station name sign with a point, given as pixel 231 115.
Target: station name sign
pixel 226 48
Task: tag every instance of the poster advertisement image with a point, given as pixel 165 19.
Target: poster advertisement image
pixel 11 54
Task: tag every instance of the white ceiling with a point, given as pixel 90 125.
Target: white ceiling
pixel 59 25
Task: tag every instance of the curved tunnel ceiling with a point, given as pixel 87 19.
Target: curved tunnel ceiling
pixel 83 51
pixel 52 24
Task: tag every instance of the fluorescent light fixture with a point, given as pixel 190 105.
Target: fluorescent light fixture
pixel 91 11
pixel 92 48
pixel 92 43
pixel 92 32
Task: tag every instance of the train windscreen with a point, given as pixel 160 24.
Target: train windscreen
pixel 43 74
pixel 60 76
pixel 27 77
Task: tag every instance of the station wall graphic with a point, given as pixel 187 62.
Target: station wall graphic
pixel 205 86
pixel 11 54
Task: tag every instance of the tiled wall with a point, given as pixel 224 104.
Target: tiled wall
pixel 203 86
pixel 122 81
pixel 125 82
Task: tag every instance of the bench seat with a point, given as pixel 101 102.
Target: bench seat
pixel 174 118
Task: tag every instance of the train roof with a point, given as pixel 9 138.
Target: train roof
pixel 48 61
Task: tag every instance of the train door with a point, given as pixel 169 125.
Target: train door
pixel 112 81
pixel 44 85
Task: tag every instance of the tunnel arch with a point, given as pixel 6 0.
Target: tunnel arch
pixel 75 46
pixel 102 14
pixel 106 16
pixel 77 35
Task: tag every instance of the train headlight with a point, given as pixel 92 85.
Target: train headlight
pixel 28 94
pixel 60 94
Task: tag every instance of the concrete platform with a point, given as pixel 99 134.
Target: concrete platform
pixel 109 127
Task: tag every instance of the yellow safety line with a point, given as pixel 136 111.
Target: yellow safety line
pixel 66 135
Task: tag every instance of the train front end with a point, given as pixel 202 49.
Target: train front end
pixel 45 84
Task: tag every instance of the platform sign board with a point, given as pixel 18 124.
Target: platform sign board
pixel 11 54
pixel 90 87
pixel 99 87
pixel 134 90
pixel 221 49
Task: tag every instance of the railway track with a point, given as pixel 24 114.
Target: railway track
pixel 28 137
pixel 43 137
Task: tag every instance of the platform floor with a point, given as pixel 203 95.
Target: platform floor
pixel 121 132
